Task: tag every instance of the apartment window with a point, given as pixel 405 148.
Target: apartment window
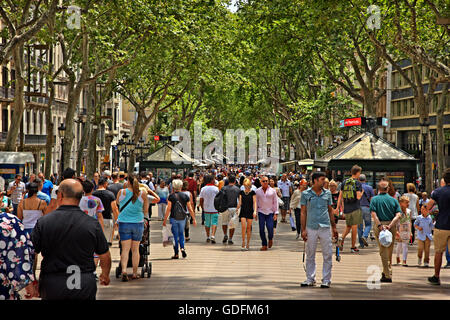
pixel 13 79
pixel 399 80
pixel 115 119
pixel 5 77
pixel 27 121
pixel 34 121
pixel 412 107
pixel 4 120
pixel 405 108
pixel 41 122
pixel 434 103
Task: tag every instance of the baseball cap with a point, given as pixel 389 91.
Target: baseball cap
pixel 107 173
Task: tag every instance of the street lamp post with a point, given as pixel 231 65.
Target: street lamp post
pixel 62 130
pixel 126 148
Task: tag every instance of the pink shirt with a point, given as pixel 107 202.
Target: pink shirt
pixel 267 202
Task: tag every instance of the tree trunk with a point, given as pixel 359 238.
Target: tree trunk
pixel 91 161
pixel 440 131
pixel 13 132
pixel 80 153
pixel 50 128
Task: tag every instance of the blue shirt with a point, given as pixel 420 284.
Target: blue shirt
pixel 442 197
pixel 368 193
pixel 427 225
pixel 47 188
pixel 317 208
pixel 41 196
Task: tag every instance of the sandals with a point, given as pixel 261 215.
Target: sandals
pixel 135 277
pixel 125 277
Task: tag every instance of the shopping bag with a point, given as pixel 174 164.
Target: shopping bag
pixel 233 221
pixel 167 235
pixel 291 218
pixel 280 202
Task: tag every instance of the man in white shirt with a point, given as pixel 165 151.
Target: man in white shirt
pixel 207 195
pixel 16 190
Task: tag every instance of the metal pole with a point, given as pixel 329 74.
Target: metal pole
pixel 62 157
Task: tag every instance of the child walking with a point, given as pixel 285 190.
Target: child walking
pixel 424 225
pixel 404 230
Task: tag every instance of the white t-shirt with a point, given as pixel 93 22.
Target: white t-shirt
pixel 208 193
pixel 54 196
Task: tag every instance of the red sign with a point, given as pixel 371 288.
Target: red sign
pixel 352 122
pixel 156 138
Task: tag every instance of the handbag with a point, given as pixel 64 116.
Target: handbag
pixel 280 202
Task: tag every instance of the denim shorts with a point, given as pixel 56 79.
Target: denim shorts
pixel 131 231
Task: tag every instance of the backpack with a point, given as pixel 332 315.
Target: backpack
pixel 221 201
pixel 349 191
pixel 178 212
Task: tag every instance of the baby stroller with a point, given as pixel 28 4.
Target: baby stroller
pixel 144 252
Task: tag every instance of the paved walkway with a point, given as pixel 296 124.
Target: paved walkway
pixel 217 271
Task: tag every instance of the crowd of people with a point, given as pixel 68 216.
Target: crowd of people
pixel 83 215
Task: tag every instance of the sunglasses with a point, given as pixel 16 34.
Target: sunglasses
pixel 265 181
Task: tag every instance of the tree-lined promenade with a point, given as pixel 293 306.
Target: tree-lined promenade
pixel 295 65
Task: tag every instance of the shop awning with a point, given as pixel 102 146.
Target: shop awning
pixel 16 157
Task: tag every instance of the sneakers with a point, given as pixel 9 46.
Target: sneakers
pixel 294 229
pixel 298 236
pixel 355 250
pixel 308 283
pixel 230 241
pixel 225 239
pixel 183 253
pixel 426 265
pixel 213 240
pixel 447 266
pixel 208 240
pixel 419 262
pixel 325 284
pixel 364 240
pixel 384 279
pixel 434 280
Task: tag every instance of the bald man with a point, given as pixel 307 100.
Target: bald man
pixel 385 212
pixel 68 239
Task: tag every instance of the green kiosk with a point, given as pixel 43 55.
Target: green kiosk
pixel 377 157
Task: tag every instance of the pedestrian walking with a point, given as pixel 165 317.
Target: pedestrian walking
pixel 403 231
pixel 335 196
pixel 364 202
pixel 349 198
pixel 441 197
pixel 177 207
pixel 185 190
pixel 116 186
pixel 273 185
pixel 16 190
pixel 296 206
pixel 317 217
pixel 385 212
pixel 66 238
pixel 229 218
pixel 207 195
pixel 132 204
pixel 247 206
pixel 424 225
pixel 111 211
pixel 413 207
pixel 5 203
pixel 47 185
pixel 163 193
pixel 286 191
pixel 267 204
pixel 17 272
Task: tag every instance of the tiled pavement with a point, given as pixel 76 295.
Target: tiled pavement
pixel 217 271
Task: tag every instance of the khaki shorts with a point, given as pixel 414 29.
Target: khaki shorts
pixel 441 240
pixel 227 216
pixel 353 218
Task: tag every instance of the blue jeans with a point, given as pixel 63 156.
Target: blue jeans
pixel 15 209
pixel 367 218
pixel 265 221
pixel 178 233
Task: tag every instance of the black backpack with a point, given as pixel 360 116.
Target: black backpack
pixel 221 201
pixel 178 212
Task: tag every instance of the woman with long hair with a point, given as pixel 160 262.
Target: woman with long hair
pixel 30 210
pixel 132 204
pixel 247 204
pixel 413 206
